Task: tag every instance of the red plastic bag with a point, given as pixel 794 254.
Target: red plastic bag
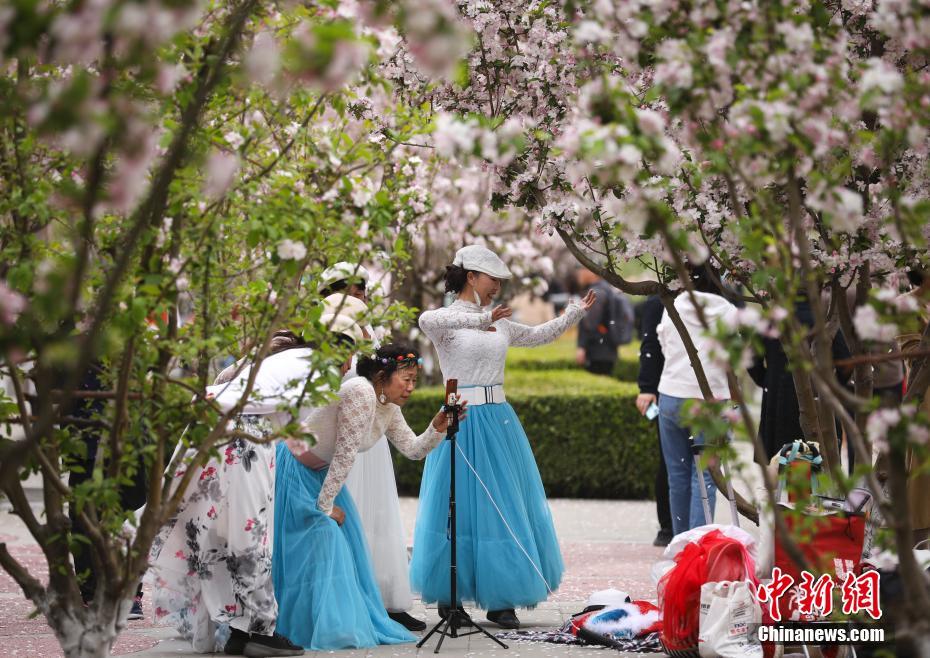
pixel 712 558
pixel 833 545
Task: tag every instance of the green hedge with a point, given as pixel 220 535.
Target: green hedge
pixel 560 355
pixel 588 438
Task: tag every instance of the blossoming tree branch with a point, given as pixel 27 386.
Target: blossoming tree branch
pixel 786 144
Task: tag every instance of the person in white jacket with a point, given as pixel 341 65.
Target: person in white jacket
pixel 678 385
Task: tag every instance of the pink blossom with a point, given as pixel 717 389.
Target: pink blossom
pixel 452 136
pixel 264 59
pixel 878 426
pixel 918 434
pixel 12 304
pixel 869 326
pixel 591 32
pixel 348 58
pixel 170 76
pixel 880 76
pixel 221 172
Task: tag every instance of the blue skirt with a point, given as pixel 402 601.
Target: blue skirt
pixel 326 590
pixel 493 573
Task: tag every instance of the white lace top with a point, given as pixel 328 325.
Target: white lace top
pixel 475 356
pixel 355 424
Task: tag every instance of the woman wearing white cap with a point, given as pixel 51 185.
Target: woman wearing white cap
pixel 372 483
pixel 493 570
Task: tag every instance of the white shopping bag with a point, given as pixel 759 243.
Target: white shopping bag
pixel 727 611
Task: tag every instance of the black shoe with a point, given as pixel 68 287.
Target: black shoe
pixel 135 613
pixel 663 538
pixel 235 645
pixel 504 618
pixel 260 646
pixel 408 622
pixel 459 620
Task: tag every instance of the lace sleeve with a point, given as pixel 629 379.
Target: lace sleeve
pixel 523 335
pixel 438 323
pixel 353 423
pixel 399 433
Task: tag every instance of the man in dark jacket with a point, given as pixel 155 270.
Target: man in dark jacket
pixel 87 412
pixel 599 329
pixel 651 362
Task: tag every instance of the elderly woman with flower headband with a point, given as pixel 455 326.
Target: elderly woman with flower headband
pixel 323 578
pixel 371 481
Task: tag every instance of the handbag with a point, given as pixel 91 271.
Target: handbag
pixel 728 610
pixel 830 542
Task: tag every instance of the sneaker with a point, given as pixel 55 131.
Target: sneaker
pixel 663 538
pixel 235 645
pixel 504 618
pixel 408 622
pixel 260 646
pixel 135 612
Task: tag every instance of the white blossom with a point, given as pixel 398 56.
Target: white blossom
pixel 290 250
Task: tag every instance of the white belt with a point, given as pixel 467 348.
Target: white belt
pixel 475 395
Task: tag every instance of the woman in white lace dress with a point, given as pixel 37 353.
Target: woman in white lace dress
pixel 323 579
pixel 494 572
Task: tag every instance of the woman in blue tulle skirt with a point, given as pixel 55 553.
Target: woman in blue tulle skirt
pixel 326 590
pixel 508 553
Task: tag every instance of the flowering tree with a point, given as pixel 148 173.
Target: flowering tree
pixel 785 143
pixel 175 176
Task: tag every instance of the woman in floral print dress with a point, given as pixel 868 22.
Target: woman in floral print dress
pixel 211 563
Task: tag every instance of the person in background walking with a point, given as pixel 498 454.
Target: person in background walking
pixel 651 362
pixel 606 327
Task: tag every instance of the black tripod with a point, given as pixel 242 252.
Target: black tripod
pixel 453 618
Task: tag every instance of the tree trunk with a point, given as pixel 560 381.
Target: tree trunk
pixel 89 632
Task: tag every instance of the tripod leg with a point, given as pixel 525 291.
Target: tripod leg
pixel 426 637
pixel 443 634
pixel 484 630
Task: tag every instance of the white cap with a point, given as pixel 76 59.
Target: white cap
pixel 341 272
pixel 481 259
pixel 609 598
pixel 342 313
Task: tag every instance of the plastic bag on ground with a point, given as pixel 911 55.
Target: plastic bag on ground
pixel 727 610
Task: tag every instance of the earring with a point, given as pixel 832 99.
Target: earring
pixel 477 297
pixel 382 398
